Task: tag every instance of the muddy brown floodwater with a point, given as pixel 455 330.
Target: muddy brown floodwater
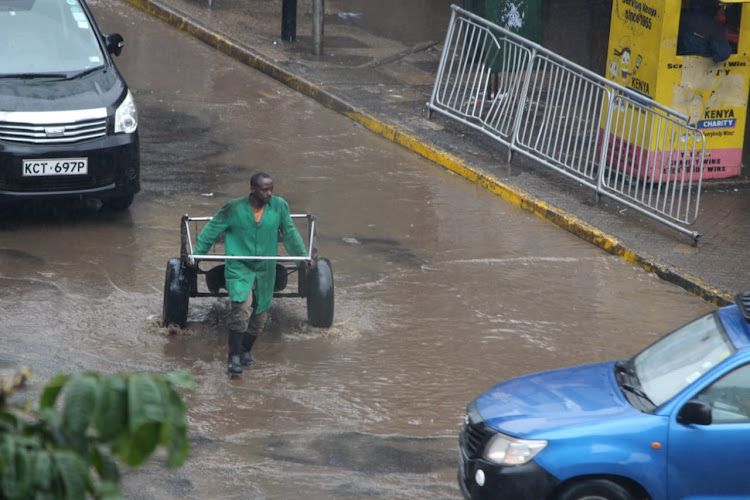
pixel 442 290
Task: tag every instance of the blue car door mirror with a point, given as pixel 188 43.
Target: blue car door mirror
pixel 696 412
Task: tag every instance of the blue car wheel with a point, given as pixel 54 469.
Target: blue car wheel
pixel 595 489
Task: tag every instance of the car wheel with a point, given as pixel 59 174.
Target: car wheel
pixel 119 203
pixel 319 285
pixel 176 294
pixel 595 489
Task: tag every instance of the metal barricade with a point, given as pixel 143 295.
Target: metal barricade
pixel 607 137
pixel 462 87
pixel 663 179
pixel 560 124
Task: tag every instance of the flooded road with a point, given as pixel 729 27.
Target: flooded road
pixel 442 290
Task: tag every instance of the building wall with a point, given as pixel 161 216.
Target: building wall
pixel 578 30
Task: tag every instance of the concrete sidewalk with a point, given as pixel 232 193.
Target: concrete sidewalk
pixel 380 72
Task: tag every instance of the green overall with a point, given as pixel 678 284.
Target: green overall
pixel 245 237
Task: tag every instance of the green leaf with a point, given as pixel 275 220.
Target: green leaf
pixel 174 430
pixel 44 495
pixel 136 447
pixel 112 410
pixel 8 421
pixel 105 464
pixel 43 471
pixel 8 458
pixel 145 403
pixel 53 455
pixel 24 471
pixel 108 491
pixel 6 454
pixel 17 478
pixel 50 416
pixel 51 391
pixel 61 437
pixel 73 474
pixel 80 400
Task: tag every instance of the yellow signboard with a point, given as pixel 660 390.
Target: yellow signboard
pixel 643 56
pixel 635 32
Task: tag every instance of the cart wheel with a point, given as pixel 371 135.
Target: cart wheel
pixel 176 293
pixel 215 280
pixel 282 278
pixel 302 279
pixel 319 284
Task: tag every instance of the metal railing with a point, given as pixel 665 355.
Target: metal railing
pixel 607 137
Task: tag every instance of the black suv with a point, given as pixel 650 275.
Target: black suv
pixel 68 123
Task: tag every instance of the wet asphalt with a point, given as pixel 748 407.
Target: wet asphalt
pixel 380 73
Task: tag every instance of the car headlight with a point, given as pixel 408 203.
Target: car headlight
pixel 126 116
pixel 506 450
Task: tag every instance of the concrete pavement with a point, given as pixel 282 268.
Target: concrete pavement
pixel 379 71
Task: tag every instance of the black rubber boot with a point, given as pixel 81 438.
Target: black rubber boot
pixel 248 339
pixel 235 352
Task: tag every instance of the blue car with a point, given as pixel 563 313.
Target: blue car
pixel 672 422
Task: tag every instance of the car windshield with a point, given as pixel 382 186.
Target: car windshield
pixel 46 37
pixel 680 358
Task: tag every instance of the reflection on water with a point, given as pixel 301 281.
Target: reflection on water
pixel 442 290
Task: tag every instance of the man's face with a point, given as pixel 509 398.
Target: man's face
pixel 263 191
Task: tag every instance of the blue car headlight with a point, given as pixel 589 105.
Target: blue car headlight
pixel 506 450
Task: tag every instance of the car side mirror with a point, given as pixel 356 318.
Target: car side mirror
pixel 696 412
pixel 114 43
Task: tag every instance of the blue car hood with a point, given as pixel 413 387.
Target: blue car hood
pixel 531 405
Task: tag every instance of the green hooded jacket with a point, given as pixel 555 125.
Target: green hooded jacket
pixel 244 237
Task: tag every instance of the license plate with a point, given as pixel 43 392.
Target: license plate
pixel 54 166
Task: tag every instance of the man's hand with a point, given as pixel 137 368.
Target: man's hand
pixel 311 264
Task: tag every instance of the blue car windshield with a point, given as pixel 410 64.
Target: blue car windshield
pixel 46 37
pixel 680 358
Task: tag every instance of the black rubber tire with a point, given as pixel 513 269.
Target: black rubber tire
pixel 282 278
pixel 303 276
pixel 215 280
pixel 176 294
pixel 320 294
pixel 595 489
pixel 119 203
